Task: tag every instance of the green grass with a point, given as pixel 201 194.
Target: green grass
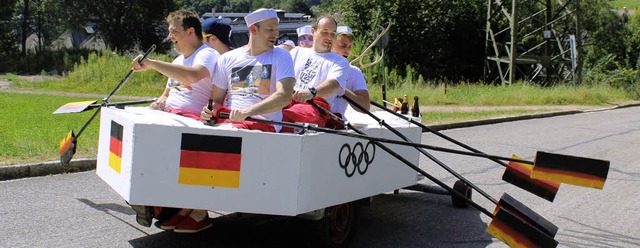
pixel 101 73
pixel 30 133
pixel 430 118
pixel 630 4
pixel 515 95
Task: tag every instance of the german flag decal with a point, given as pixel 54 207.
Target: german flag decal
pixel 519 175
pixel 115 147
pixel 209 160
pixel 578 171
pixel 515 232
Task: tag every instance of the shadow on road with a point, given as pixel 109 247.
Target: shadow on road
pixel 407 219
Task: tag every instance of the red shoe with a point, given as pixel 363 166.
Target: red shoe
pixel 189 225
pixel 170 224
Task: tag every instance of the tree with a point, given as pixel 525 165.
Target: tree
pixel 8 34
pixel 126 24
pixel 440 39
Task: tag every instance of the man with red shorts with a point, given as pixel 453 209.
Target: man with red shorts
pixel 320 74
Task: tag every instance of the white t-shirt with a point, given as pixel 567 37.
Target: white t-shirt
pixel 312 68
pixel 192 101
pixel 250 79
pixel 355 81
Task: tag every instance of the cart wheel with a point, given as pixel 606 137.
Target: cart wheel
pixel 338 227
pixel 463 189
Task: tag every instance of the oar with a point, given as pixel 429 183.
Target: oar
pixel 77 107
pixel 544 184
pixel 519 223
pixel 529 225
pixel 69 143
pixel 434 159
pixel 516 174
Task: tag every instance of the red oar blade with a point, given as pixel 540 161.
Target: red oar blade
pixel 518 226
pixel 67 148
pixel 519 174
pixel 74 107
pixel 580 171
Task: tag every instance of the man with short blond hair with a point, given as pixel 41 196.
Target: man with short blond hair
pixel 356 86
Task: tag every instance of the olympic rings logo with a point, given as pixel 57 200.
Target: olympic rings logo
pixel 356 156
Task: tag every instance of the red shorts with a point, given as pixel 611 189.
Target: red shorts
pixel 179 112
pixel 305 113
pixel 250 125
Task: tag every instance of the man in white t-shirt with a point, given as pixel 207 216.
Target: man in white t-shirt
pixel 188 89
pixel 189 82
pixel 356 86
pixel 257 79
pixel 320 74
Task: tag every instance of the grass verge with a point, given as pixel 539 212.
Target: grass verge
pixel 30 133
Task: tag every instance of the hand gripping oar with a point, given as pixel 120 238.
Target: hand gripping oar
pixel 68 144
pixel 574 170
pixel 527 222
pixel 434 159
pixel 513 220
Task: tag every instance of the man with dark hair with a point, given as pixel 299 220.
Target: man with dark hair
pixel 188 89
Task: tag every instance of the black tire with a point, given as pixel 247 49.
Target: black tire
pixel 338 227
pixel 464 189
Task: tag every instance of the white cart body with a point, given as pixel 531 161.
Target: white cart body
pixel 279 174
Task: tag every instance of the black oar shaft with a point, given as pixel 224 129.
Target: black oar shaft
pixel 428 155
pixel 87 124
pixel 126 78
pixel 116 104
pixel 436 132
pixel 405 161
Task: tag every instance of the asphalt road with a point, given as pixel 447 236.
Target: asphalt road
pixel 79 210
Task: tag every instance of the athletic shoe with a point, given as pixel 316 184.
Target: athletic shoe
pixel 189 225
pixel 171 223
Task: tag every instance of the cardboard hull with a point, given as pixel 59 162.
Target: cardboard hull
pixel 280 174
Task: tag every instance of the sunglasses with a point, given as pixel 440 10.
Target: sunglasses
pixel 305 41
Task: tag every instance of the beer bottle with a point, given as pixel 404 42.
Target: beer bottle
pixel 415 110
pixel 404 109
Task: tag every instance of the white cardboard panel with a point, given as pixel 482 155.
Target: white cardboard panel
pixel 282 174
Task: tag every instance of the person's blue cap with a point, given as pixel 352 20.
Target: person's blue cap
pixel 217 27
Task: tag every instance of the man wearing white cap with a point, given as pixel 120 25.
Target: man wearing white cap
pixel 320 74
pixel 305 38
pixel 257 78
pixel 356 86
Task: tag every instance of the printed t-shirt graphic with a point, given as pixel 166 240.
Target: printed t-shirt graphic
pixel 253 80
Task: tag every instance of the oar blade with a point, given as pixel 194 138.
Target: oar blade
pixel 579 171
pixel 67 148
pixel 518 226
pixel 74 107
pixel 519 174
